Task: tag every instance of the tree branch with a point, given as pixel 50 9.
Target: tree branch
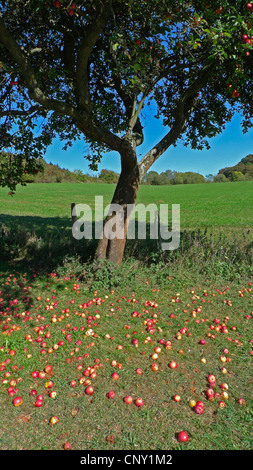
pixel 185 106
pixel 129 101
pixel 81 116
pixel 88 42
pixel 136 112
pixel 26 69
pixel 17 112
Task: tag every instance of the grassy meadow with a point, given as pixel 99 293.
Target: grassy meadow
pixel 202 205
pixel 171 328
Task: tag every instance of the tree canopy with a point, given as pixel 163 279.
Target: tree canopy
pixel 89 69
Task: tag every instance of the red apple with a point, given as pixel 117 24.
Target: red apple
pixel 210 393
pixel 54 420
pixel 42 374
pixel 38 403
pixel 182 436
pixel 128 400
pixel 12 352
pixel 89 390
pixel 34 374
pixel 222 404
pixel 224 386
pixel 67 446
pixel 115 376
pixel 139 402
pixel 48 369
pixel 199 409
pixel 17 401
pixel 49 384
pixel 173 365
pixel 111 394
pixel 177 398
pixel 200 403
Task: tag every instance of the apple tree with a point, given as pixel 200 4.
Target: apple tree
pixel 90 69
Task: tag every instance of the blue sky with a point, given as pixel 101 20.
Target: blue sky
pixel 227 149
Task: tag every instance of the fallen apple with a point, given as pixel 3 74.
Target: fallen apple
pixel 182 436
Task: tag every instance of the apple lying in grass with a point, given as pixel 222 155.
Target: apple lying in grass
pixel 182 436
pixel 38 403
pixel 199 408
pixel 211 378
pixel 177 398
pixel 210 393
pixel 49 384
pixel 48 369
pixel 139 402
pixel 54 420
pixel 128 399
pixel 115 376
pixel 17 401
pixel 89 390
pixel 67 446
pixel 173 365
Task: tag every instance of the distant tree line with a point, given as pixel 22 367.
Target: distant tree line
pixel 242 171
pixel 173 177
pixel 51 173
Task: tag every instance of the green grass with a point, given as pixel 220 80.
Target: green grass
pixel 202 205
pixel 108 424
pixel 51 276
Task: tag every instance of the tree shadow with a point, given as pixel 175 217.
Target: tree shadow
pixel 40 243
pixel 44 243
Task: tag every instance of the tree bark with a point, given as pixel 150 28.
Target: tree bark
pixel 124 196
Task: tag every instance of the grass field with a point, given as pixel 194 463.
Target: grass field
pixel 195 305
pixel 202 205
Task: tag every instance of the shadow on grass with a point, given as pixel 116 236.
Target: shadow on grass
pixel 43 244
pixel 31 247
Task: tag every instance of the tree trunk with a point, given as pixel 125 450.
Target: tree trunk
pixel 125 194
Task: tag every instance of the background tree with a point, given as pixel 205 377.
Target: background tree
pixel 209 178
pixel 238 176
pixel 245 166
pixel 153 178
pixel 87 70
pixel 108 176
pixel 220 178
